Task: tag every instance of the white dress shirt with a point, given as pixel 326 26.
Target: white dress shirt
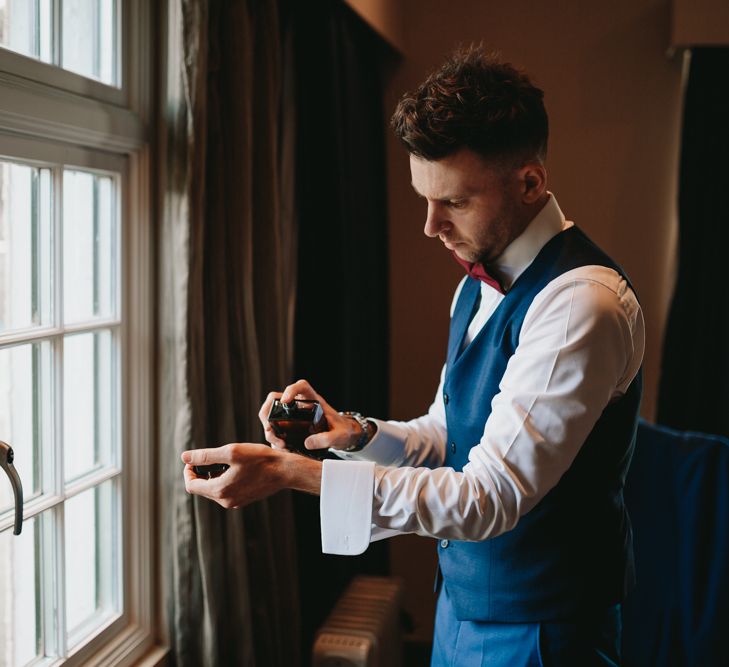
pixel 580 346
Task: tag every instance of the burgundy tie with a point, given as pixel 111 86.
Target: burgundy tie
pixel 479 272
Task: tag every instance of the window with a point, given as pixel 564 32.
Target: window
pixel 80 36
pixel 75 332
pixel 59 378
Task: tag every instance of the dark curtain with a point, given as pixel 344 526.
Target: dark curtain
pixel 228 285
pixel 694 388
pixel 341 339
pixel 273 200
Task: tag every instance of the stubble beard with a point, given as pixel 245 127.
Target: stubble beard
pixel 503 229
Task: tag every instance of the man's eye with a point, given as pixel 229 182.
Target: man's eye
pixel 456 203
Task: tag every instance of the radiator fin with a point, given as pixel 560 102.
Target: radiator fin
pixel 364 628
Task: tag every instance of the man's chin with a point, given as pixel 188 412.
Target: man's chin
pixel 463 253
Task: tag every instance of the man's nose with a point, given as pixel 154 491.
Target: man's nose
pixel 434 221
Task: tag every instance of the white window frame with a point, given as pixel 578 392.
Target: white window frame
pixel 52 115
pixel 33 69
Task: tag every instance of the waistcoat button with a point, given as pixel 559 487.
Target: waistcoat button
pixel 453 448
pixel 446 399
pixel 444 544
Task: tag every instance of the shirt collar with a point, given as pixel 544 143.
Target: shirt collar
pixel 520 253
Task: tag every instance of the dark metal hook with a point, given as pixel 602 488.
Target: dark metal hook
pixel 6 463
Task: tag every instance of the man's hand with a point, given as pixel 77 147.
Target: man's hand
pixel 343 432
pixel 256 472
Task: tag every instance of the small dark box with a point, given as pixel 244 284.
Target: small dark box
pixel 211 470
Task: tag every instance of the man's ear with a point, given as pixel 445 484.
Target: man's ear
pixel 533 182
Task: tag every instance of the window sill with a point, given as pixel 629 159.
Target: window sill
pixel 156 657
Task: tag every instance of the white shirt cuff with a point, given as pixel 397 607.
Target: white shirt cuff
pixel 345 510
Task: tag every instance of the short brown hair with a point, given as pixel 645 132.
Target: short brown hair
pixel 475 101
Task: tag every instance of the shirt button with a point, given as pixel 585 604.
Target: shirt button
pixel 453 448
pixel 446 399
pixel 444 544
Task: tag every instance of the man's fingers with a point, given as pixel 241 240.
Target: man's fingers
pixel 268 432
pixel 266 407
pixel 201 457
pixel 318 441
pixel 300 387
pixel 342 432
pixel 245 481
pixel 199 485
pixel 272 438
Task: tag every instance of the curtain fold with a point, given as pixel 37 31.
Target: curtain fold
pixel 694 386
pixel 227 280
pixel 342 325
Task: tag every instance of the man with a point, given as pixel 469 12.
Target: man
pixel 518 467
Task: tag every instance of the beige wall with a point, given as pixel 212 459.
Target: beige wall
pixel 613 96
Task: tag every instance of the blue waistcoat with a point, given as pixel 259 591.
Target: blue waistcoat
pixel 572 553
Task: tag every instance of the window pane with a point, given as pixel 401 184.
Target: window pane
pixel 88 402
pixel 88 38
pixel 88 246
pixel 25 403
pixel 20 595
pixel 25 246
pixel 25 27
pixel 92 561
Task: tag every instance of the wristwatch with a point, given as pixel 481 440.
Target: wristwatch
pixel 366 430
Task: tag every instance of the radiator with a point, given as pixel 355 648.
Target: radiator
pixel 364 627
